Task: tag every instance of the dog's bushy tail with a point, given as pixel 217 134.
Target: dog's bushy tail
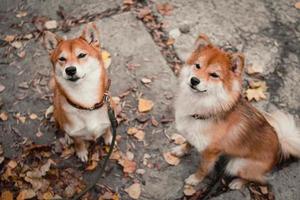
pixel 288 134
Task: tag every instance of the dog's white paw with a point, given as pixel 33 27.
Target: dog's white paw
pixel 178 151
pixel 68 139
pixel 237 184
pixel 192 180
pixel 83 155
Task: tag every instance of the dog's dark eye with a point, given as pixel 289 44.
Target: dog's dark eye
pixel 82 55
pixel 198 66
pixel 214 75
pixel 62 59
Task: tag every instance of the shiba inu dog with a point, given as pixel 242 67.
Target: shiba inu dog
pixel 80 84
pixel 212 115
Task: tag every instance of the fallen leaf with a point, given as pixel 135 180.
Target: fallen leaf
pixel 115 155
pixel 134 191
pixel 140 135
pixel 16 44
pixel 40 172
pixel 33 116
pixel 92 166
pixel 297 5
pixel 189 190
pixel 170 159
pixel 20 118
pixel 256 90
pixel 129 155
pixel 49 111
pixel 26 194
pixel 2 88
pixel 9 38
pixel 129 166
pixel 146 80
pixel 7 195
pixel 132 131
pixel 141 171
pixel 127 2
pixel 4 116
pixel 21 14
pixel 254 69
pixel 142 13
pixel 12 164
pixel 21 54
pixel 106 58
pixel 257 94
pixel 178 139
pixel 145 105
pixel 164 8
pixel 51 24
pixel 48 195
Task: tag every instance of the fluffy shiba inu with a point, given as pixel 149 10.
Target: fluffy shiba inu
pixel 80 84
pixel 213 116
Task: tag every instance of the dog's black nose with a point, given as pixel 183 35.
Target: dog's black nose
pixel 71 70
pixel 194 81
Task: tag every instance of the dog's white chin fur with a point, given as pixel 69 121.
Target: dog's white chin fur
pixel 83 90
pixel 189 102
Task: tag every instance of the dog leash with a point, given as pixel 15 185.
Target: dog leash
pixel 100 169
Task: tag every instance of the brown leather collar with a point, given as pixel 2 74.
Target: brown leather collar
pixel 97 105
pixel 218 115
pixel 201 117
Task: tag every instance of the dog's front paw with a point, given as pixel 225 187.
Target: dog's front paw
pixel 237 184
pixel 68 139
pixel 193 180
pixel 82 155
pixel 178 151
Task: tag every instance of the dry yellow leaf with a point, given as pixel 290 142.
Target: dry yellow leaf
pixel 145 105
pixel 106 58
pixel 4 116
pixel 132 131
pixel 92 166
pixel 254 69
pixel 47 196
pixel 20 118
pixel 12 164
pixel 178 139
pixel 21 14
pixel 33 116
pixel 129 166
pixel 170 159
pixel 26 194
pixel 134 191
pixel 9 38
pixel 140 135
pixel 16 44
pixel 51 24
pixel 7 195
pixel 297 5
pixel 257 94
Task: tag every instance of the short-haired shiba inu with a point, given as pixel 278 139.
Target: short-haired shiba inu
pixel 80 84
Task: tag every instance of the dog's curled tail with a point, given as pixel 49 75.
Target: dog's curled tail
pixel 288 134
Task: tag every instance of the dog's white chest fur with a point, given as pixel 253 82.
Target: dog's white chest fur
pixel 87 124
pixel 195 131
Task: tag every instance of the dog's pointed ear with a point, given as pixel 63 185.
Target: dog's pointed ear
pixel 50 41
pixel 202 41
pixel 237 63
pixel 91 34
